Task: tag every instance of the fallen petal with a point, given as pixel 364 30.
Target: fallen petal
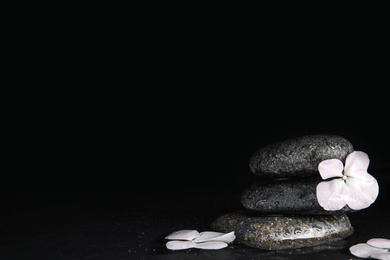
pixel 207 235
pixel 362 192
pixel 183 235
pixel 331 168
pixel 381 255
pixel 332 195
pixel 355 162
pixel 364 250
pixel 211 245
pixel 379 243
pixel 215 236
pixel 180 245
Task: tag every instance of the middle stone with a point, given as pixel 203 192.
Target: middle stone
pixel 289 196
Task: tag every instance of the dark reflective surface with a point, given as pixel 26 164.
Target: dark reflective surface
pixel 133 226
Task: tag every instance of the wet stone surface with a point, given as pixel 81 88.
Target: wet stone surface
pixel 290 196
pixel 282 232
pixel 298 157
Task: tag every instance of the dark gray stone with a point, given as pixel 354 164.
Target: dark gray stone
pixel 298 157
pixel 289 196
pixel 280 232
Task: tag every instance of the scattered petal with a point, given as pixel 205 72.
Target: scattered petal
pixel 332 195
pixel 183 235
pixel 363 250
pixel 381 255
pixel 379 242
pixel 355 162
pixel 211 245
pixel 215 236
pixel 366 250
pixel 331 168
pixel 180 245
pixel 362 193
pixel 207 236
pixel 204 240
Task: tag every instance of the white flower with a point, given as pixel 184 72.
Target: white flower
pixel 378 248
pixel 184 239
pixel 354 186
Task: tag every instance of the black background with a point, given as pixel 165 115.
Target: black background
pixel 128 133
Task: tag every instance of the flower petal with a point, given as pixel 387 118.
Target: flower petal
pixel 381 255
pixel 355 162
pixel 180 245
pixel 364 250
pixel 331 168
pixel 379 242
pixel 362 192
pixel 332 195
pixel 183 235
pixel 215 236
pixel 211 245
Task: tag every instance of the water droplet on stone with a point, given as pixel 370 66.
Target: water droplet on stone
pixel 317 228
pixel 261 201
pixel 298 231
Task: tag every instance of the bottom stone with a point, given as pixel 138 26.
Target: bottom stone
pixel 282 232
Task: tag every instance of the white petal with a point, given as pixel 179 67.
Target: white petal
pixel 207 236
pixel 362 192
pixel 215 236
pixel 180 245
pixel 381 255
pixel 183 235
pixel 332 195
pixel 364 250
pixel 356 161
pixel 331 168
pixel 379 242
pixel 211 245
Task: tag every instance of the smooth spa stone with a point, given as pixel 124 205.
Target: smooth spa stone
pixel 288 196
pixel 298 157
pixel 280 232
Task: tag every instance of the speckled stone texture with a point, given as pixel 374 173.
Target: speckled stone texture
pixel 290 196
pixel 281 232
pixel 298 157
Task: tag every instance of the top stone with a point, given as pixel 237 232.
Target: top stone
pixel 298 157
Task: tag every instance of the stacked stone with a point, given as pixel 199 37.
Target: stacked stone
pixel 281 211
